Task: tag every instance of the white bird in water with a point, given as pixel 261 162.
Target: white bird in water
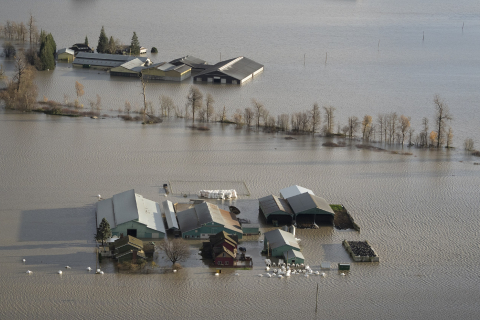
pixel 267 268
pixel 101 272
pixel 68 267
pixel 342 274
pixel 99 197
pixel 59 272
pixel 98 271
pixel 306 276
pixel 175 270
pixel 89 269
pixel 280 276
pixel 260 275
pixel 24 260
pixel 269 275
pixel 323 274
pixel 237 274
pixel 217 274
pixel 29 272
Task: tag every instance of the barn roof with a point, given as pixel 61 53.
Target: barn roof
pixel 271 204
pixel 188 60
pixel 306 201
pixel 206 212
pixel 293 191
pixel 238 68
pixel 278 238
pixel 170 214
pixel 130 206
pixel 65 50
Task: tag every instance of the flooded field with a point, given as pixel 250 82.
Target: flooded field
pixel 418 212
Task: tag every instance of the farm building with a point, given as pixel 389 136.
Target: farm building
pixel 166 71
pixel 276 210
pixel 279 243
pixel 222 248
pixel 294 191
pixel 310 209
pixel 251 229
pixel 81 47
pixel 234 71
pixel 66 54
pixel 128 248
pixel 195 63
pixel 170 216
pixel 130 68
pixel 128 213
pixel 206 219
pixel 102 60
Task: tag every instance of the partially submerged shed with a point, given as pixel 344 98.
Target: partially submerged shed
pixel 207 219
pixel 276 210
pixel 66 54
pixel 234 71
pixel 278 243
pixel 311 210
pixel 250 229
pixel 128 248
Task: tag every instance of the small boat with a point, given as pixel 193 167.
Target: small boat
pixel 234 209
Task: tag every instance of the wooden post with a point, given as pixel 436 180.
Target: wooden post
pixel 316 302
pixel 304 59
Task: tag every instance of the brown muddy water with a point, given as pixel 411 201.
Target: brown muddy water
pixel 419 212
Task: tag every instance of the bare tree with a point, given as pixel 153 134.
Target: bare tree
pixel 175 250
pixel 315 116
pixel 366 126
pixel 468 144
pixel 249 114
pixel 381 123
pixel 79 89
pixel 353 124
pixel 258 109
pixel 32 28
pixel 282 121
pixel 128 107
pixel 209 101
pixel 238 117
pixel 424 133
pixel 22 31
pixel 194 100
pixel 442 116
pixel 403 126
pixel 329 119
pixel 410 136
pixel 449 137
pixel 166 105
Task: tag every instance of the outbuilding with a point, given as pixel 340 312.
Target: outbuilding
pixel 65 54
pixel 233 71
pixel 310 210
pixel 206 219
pixel 276 210
pixel 128 248
pixel 102 60
pixel 279 243
pixel 130 214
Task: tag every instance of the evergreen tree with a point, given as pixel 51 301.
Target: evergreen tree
pixel 111 46
pixel 135 45
pixel 103 231
pixel 48 48
pixel 86 40
pixel 102 41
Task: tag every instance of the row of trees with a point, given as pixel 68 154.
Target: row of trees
pixel 112 46
pixel 21 31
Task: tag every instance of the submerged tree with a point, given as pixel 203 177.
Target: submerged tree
pixel 403 126
pixel 442 116
pixel 329 119
pixel 315 118
pixel 209 110
pixel 175 250
pixel 194 100
pixel 258 110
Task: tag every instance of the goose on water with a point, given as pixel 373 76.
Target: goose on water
pixel 29 272
pixel 59 272
pixel 89 269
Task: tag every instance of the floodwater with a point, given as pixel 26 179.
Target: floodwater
pixel 419 212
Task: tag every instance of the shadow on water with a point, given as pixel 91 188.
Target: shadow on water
pixel 65 224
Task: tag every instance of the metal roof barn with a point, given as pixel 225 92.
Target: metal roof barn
pixel 235 71
pixel 170 214
pixel 294 191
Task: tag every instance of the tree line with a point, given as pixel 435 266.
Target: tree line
pixel 113 46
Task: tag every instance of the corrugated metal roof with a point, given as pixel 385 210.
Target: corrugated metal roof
pixel 105 210
pixel 134 242
pixel 170 214
pixel 271 204
pixel 149 213
pixel 125 207
pixel 109 57
pixel 306 201
pixel 70 51
pixel 132 64
pixel 278 238
pixel 188 60
pixel 238 68
pixel 101 63
pixel 293 191
pixel 206 212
